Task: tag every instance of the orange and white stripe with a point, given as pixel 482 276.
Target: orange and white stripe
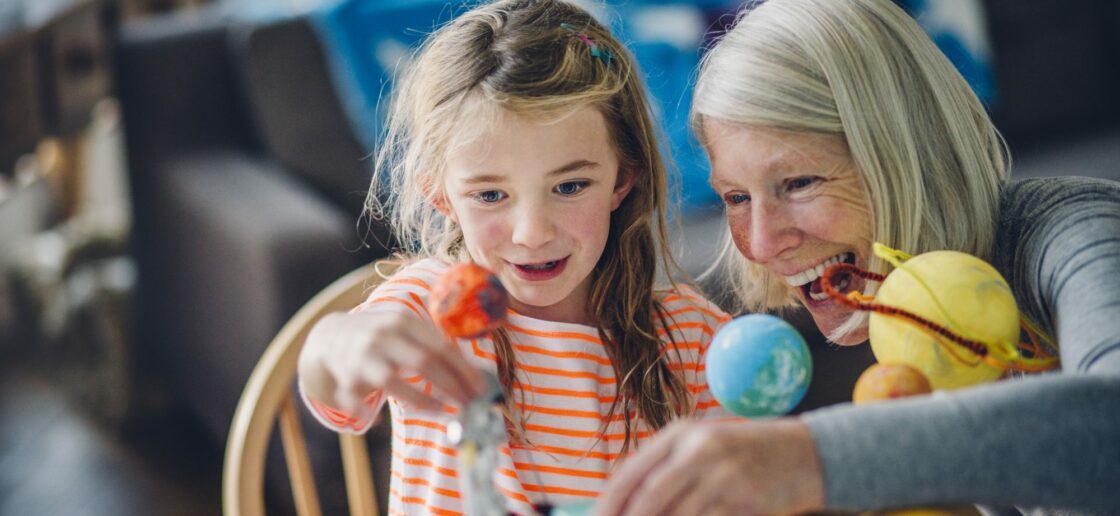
pixel 568 386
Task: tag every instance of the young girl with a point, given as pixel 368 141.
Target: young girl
pixel 521 140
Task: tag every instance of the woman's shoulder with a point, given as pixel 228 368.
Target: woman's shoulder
pixel 1051 229
pixel 1049 196
pixel 1041 209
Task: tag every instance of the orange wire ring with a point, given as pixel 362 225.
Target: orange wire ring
pixel 1039 360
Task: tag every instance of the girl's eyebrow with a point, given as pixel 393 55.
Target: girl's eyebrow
pixel 472 180
pixel 578 164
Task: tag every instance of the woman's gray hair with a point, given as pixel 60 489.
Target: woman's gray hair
pixel 930 159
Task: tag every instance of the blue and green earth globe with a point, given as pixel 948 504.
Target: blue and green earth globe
pixel 758 366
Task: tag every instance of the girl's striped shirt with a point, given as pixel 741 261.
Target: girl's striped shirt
pixel 568 385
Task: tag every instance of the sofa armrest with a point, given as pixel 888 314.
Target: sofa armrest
pixel 228 247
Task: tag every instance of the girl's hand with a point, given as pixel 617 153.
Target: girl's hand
pixel 349 356
pixel 731 467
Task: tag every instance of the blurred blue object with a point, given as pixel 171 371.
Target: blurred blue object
pixel 959 29
pixel 368 43
pixel 666 39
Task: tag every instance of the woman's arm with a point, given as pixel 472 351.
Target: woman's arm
pixel 1050 441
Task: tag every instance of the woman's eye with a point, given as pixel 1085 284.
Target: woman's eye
pixel 571 187
pixel 489 196
pixel 736 199
pixel 801 182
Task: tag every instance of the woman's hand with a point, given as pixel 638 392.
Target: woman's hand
pixel 349 356
pixel 711 468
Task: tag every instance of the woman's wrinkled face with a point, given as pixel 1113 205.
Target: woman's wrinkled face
pixel 795 204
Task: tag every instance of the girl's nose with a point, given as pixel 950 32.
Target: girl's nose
pixel 534 226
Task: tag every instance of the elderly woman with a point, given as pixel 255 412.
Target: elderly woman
pixel 832 124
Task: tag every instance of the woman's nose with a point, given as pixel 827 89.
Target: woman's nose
pixel 533 226
pixel 770 234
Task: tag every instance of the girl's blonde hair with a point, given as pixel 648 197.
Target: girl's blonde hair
pixel 931 161
pixel 527 57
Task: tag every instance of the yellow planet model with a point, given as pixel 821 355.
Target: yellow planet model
pixel 957 291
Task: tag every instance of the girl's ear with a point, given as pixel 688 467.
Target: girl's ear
pixel 439 201
pixel 622 187
pixel 441 204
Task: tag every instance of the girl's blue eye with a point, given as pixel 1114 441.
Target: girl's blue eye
pixel 489 196
pixel 571 187
pixel 736 198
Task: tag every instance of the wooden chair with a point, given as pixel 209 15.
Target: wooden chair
pixel 269 399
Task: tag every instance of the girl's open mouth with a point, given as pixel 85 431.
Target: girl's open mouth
pixel 541 271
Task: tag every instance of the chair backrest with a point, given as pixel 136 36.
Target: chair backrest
pixel 269 400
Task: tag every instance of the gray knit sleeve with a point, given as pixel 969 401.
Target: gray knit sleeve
pixel 1049 440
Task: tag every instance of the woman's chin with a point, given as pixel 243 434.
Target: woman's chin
pixel 828 323
pixel 851 339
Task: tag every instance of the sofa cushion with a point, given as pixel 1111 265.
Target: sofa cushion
pixel 296 111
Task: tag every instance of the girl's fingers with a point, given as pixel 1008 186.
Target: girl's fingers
pixel 462 378
pixel 408 350
pixel 352 395
pixel 409 394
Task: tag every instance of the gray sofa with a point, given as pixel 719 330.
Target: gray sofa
pixel 247 186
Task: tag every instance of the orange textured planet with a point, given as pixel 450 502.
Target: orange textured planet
pixel 888 381
pixel 468 301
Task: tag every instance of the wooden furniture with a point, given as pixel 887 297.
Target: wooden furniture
pixel 269 400
pixel 55 61
pixel 21 120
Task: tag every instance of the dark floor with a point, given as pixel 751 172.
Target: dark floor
pixel 59 459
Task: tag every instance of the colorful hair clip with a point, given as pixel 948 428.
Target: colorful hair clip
pixel 597 51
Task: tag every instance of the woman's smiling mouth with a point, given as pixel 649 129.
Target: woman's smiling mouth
pixel 809 279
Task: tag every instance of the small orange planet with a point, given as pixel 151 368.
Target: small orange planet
pixel 469 301
pixel 888 381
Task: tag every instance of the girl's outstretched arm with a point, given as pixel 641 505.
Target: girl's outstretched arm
pixel 351 361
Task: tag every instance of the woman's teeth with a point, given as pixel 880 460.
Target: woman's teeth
pixel 840 283
pixel 539 266
pixel 811 274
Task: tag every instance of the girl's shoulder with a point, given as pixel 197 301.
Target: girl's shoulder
pixel 405 283
pixel 421 271
pixel 688 322
pixel 684 304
